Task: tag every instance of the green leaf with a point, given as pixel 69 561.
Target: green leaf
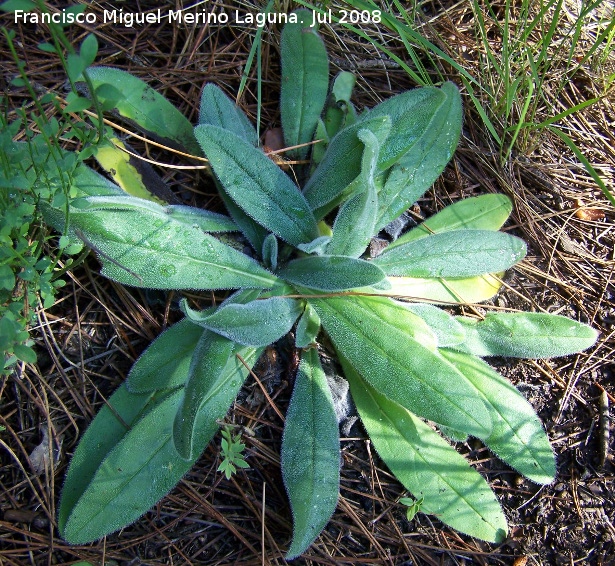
pixel 126 460
pixel 208 363
pixel 339 111
pixel 307 328
pixel 75 65
pixel 12 5
pixel 204 219
pixel 518 436
pixel 257 323
pixel 458 253
pixel 355 222
pixel 395 351
pixel 270 252
pixel 217 109
pixel 525 335
pixel 331 273
pixel 305 82
pixel 76 103
pixel 427 465
pixel 310 454
pixel 426 129
pixel 88 49
pixel 139 244
pixel 485 212
pixel 446 329
pixel 341 165
pixel 24 353
pixel 87 182
pixel 253 232
pixel 166 361
pixel 145 107
pixel 258 186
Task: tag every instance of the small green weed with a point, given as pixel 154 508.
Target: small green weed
pixel 35 170
pixel 232 452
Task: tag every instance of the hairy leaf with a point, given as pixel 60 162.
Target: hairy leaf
pixel 341 165
pixel 217 109
pixel 356 219
pixel 141 104
pixel 258 186
pixel 331 273
pixel 427 465
pixel 525 335
pixel 447 330
pixel 257 323
pixel 485 212
pixel 139 244
pixel 166 361
pixel 305 82
pixel 426 129
pixel 307 328
pixel 208 364
pixel 126 461
pixel 458 253
pixel 394 350
pixel 518 436
pixel 310 453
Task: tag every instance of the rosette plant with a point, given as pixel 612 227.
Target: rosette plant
pixel 416 373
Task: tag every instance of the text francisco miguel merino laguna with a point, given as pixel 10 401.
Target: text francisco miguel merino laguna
pixel 130 19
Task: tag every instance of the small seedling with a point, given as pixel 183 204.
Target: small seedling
pixel 232 453
pixel 414 506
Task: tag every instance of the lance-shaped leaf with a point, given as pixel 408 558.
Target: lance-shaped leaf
pixel 217 109
pixel 305 82
pixel 518 436
pixel 139 244
pixel 208 363
pixel 136 101
pixel 395 351
pixel 257 185
pixel 253 232
pixel 88 182
pixel 200 218
pixel 331 273
pixel 485 212
pixel 427 465
pixel 339 111
pixel 166 361
pixel 257 323
pixel 463 290
pixel 355 222
pixel 126 460
pixel 310 453
pixel 446 329
pixel 307 327
pixel 426 129
pixel 458 253
pixel 525 335
pixel 331 182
